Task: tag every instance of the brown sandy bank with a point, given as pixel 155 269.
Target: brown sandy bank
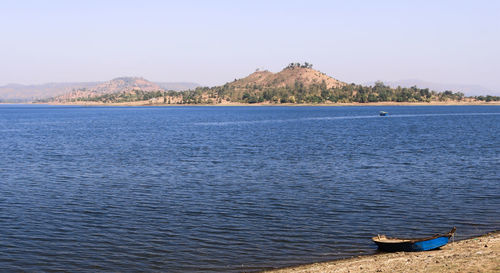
pixel 481 254
pixel 149 103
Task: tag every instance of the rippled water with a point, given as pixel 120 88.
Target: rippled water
pixel 183 189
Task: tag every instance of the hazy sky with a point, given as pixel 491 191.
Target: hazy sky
pixel 212 42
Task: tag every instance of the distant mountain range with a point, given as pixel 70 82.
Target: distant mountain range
pixel 24 93
pixel 467 89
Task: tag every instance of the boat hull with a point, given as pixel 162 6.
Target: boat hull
pixel 392 244
pixel 414 246
pixel 430 244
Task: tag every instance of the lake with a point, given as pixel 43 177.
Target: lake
pixel 230 189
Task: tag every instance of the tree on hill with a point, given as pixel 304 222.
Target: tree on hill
pixel 487 98
pixel 298 65
pixel 307 65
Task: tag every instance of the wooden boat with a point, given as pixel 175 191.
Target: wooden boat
pixel 392 244
pixel 382 113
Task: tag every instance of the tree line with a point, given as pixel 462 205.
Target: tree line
pixel 297 93
pixel 487 98
pixel 316 93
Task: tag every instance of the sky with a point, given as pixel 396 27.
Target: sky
pixel 213 42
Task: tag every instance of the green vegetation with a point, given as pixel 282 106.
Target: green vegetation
pixel 135 95
pixel 298 93
pixel 487 98
pixel 317 93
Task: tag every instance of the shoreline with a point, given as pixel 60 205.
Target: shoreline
pixel 146 103
pixel 476 254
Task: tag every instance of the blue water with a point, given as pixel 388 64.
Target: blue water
pixel 193 189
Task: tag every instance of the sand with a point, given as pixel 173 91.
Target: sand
pixel 481 254
pixel 225 103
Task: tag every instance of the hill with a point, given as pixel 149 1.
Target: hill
pixel 288 77
pixel 118 85
pixel 295 83
pixel 27 93
pixel 299 83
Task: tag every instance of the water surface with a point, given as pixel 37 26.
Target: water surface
pixel 193 189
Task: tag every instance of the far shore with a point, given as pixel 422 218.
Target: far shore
pixel 480 254
pixel 147 103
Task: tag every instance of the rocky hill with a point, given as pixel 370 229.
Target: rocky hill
pixel 124 84
pixel 117 85
pixel 288 77
pixel 295 83
pixel 299 83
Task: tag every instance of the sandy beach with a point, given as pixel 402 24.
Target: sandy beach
pixel 481 254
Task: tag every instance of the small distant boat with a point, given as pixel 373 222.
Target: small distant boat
pixel 383 114
pixel 392 244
